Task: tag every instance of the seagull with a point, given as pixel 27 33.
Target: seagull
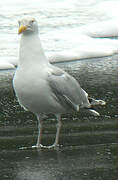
pixel 43 88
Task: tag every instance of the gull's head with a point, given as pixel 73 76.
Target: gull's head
pixel 28 25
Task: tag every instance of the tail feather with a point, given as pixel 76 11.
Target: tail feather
pixel 93 112
pixel 95 102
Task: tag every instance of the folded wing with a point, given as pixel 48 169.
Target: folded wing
pixel 67 90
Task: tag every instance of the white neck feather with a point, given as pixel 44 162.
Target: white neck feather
pixel 31 51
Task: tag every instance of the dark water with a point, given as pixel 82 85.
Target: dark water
pixel 90 144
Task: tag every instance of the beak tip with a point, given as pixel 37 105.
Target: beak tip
pixel 21 29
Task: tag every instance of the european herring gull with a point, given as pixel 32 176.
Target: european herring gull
pixel 43 88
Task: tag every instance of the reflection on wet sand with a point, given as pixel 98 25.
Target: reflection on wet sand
pixel 81 162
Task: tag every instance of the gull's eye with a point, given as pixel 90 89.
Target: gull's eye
pixel 32 20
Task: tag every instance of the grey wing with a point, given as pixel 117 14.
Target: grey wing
pixel 67 90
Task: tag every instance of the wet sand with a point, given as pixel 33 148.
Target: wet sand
pixel 89 144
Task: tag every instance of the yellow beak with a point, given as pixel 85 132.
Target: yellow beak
pixel 21 29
